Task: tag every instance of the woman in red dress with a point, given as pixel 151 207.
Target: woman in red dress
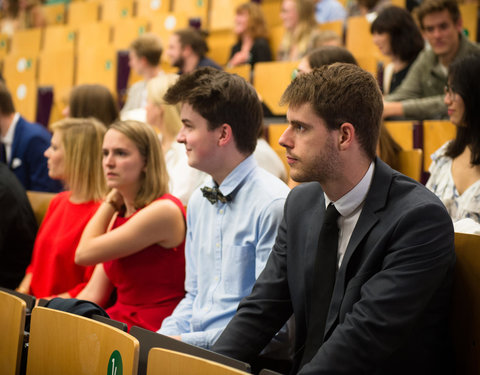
pixel 74 157
pixel 138 232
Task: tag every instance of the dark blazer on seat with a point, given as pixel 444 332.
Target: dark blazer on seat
pixel 27 161
pixel 390 303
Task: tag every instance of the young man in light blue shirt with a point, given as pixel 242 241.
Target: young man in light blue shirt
pixel 230 232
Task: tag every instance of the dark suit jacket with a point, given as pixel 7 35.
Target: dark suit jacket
pixel 18 228
pixel 27 160
pixel 390 302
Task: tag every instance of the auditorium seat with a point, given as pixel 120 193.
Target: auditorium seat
pixel 465 322
pixel 83 12
pixel 410 163
pixel 97 65
pixel 126 30
pixel 401 132
pixel 271 90
pixel 12 325
pixel 39 201
pixel 115 10
pixel 54 13
pixel 26 41
pixel 68 344
pixel 59 37
pixel 168 362
pixel 56 69
pixel 243 71
pixel 435 134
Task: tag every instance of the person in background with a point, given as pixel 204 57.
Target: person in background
pixel 144 56
pixel 91 100
pixel 165 119
pixel 367 8
pixel 301 31
pixel 420 95
pixel 187 49
pixel 18 228
pixel 455 170
pixel 21 15
pixel 397 36
pixel 251 29
pixel 22 145
pixel 329 11
pixel 137 235
pixel 74 157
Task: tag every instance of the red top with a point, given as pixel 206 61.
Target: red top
pixel 150 283
pixel 53 266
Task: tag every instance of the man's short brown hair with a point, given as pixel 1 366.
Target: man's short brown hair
pixel 222 98
pixel 341 93
pixel 6 102
pixel 433 6
pixel 195 39
pixel 148 46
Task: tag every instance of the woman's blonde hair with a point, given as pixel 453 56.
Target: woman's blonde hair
pixel 154 182
pixel 82 141
pixel 156 89
pixel 257 26
pixel 306 27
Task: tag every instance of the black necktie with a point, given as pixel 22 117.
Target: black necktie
pixel 324 281
pixel 214 195
pixel 3 153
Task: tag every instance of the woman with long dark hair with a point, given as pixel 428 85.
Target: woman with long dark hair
pixel 455 170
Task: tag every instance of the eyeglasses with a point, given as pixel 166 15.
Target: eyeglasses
pixel 449 91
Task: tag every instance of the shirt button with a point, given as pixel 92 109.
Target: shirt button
pixel 217 244
pixel 221 211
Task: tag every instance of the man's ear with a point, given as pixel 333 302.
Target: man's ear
pixel 346 135
pixel 225 134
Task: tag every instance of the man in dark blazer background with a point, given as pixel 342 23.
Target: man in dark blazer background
pixel 388 312
pixel 22 147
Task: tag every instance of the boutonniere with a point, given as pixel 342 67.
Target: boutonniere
pixel 16 163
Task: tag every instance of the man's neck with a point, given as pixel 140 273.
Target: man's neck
pixel 352 174
pixel 227 166
pixel 5 123
pixel 151 72
pixel 190 64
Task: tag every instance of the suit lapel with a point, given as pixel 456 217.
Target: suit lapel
pixel 375 201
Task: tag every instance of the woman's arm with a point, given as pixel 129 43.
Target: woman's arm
pixel 161 222
pixel 24 286
pixel 99 287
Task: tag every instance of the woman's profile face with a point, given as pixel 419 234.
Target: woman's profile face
pixel 289 14
pixel 154 114
pixel 382 41
pixel 56 157
pixel 455 106
pixel 241 22
pixel 122 163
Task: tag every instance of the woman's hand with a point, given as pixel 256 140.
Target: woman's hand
pixel 115 199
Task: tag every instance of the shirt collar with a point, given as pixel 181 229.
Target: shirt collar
pixel 347 204
pixel 8 139
pixel 237 176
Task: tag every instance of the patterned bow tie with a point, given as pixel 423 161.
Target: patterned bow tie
pixel 214 195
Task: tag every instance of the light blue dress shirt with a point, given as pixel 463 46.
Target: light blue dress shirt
pixel 227 246
pixel 329 10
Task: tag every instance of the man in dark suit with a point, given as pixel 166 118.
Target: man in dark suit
pixel 22 145
pixel 388 307
pixel 18 229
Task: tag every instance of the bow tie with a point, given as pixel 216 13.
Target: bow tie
pixel 214 195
